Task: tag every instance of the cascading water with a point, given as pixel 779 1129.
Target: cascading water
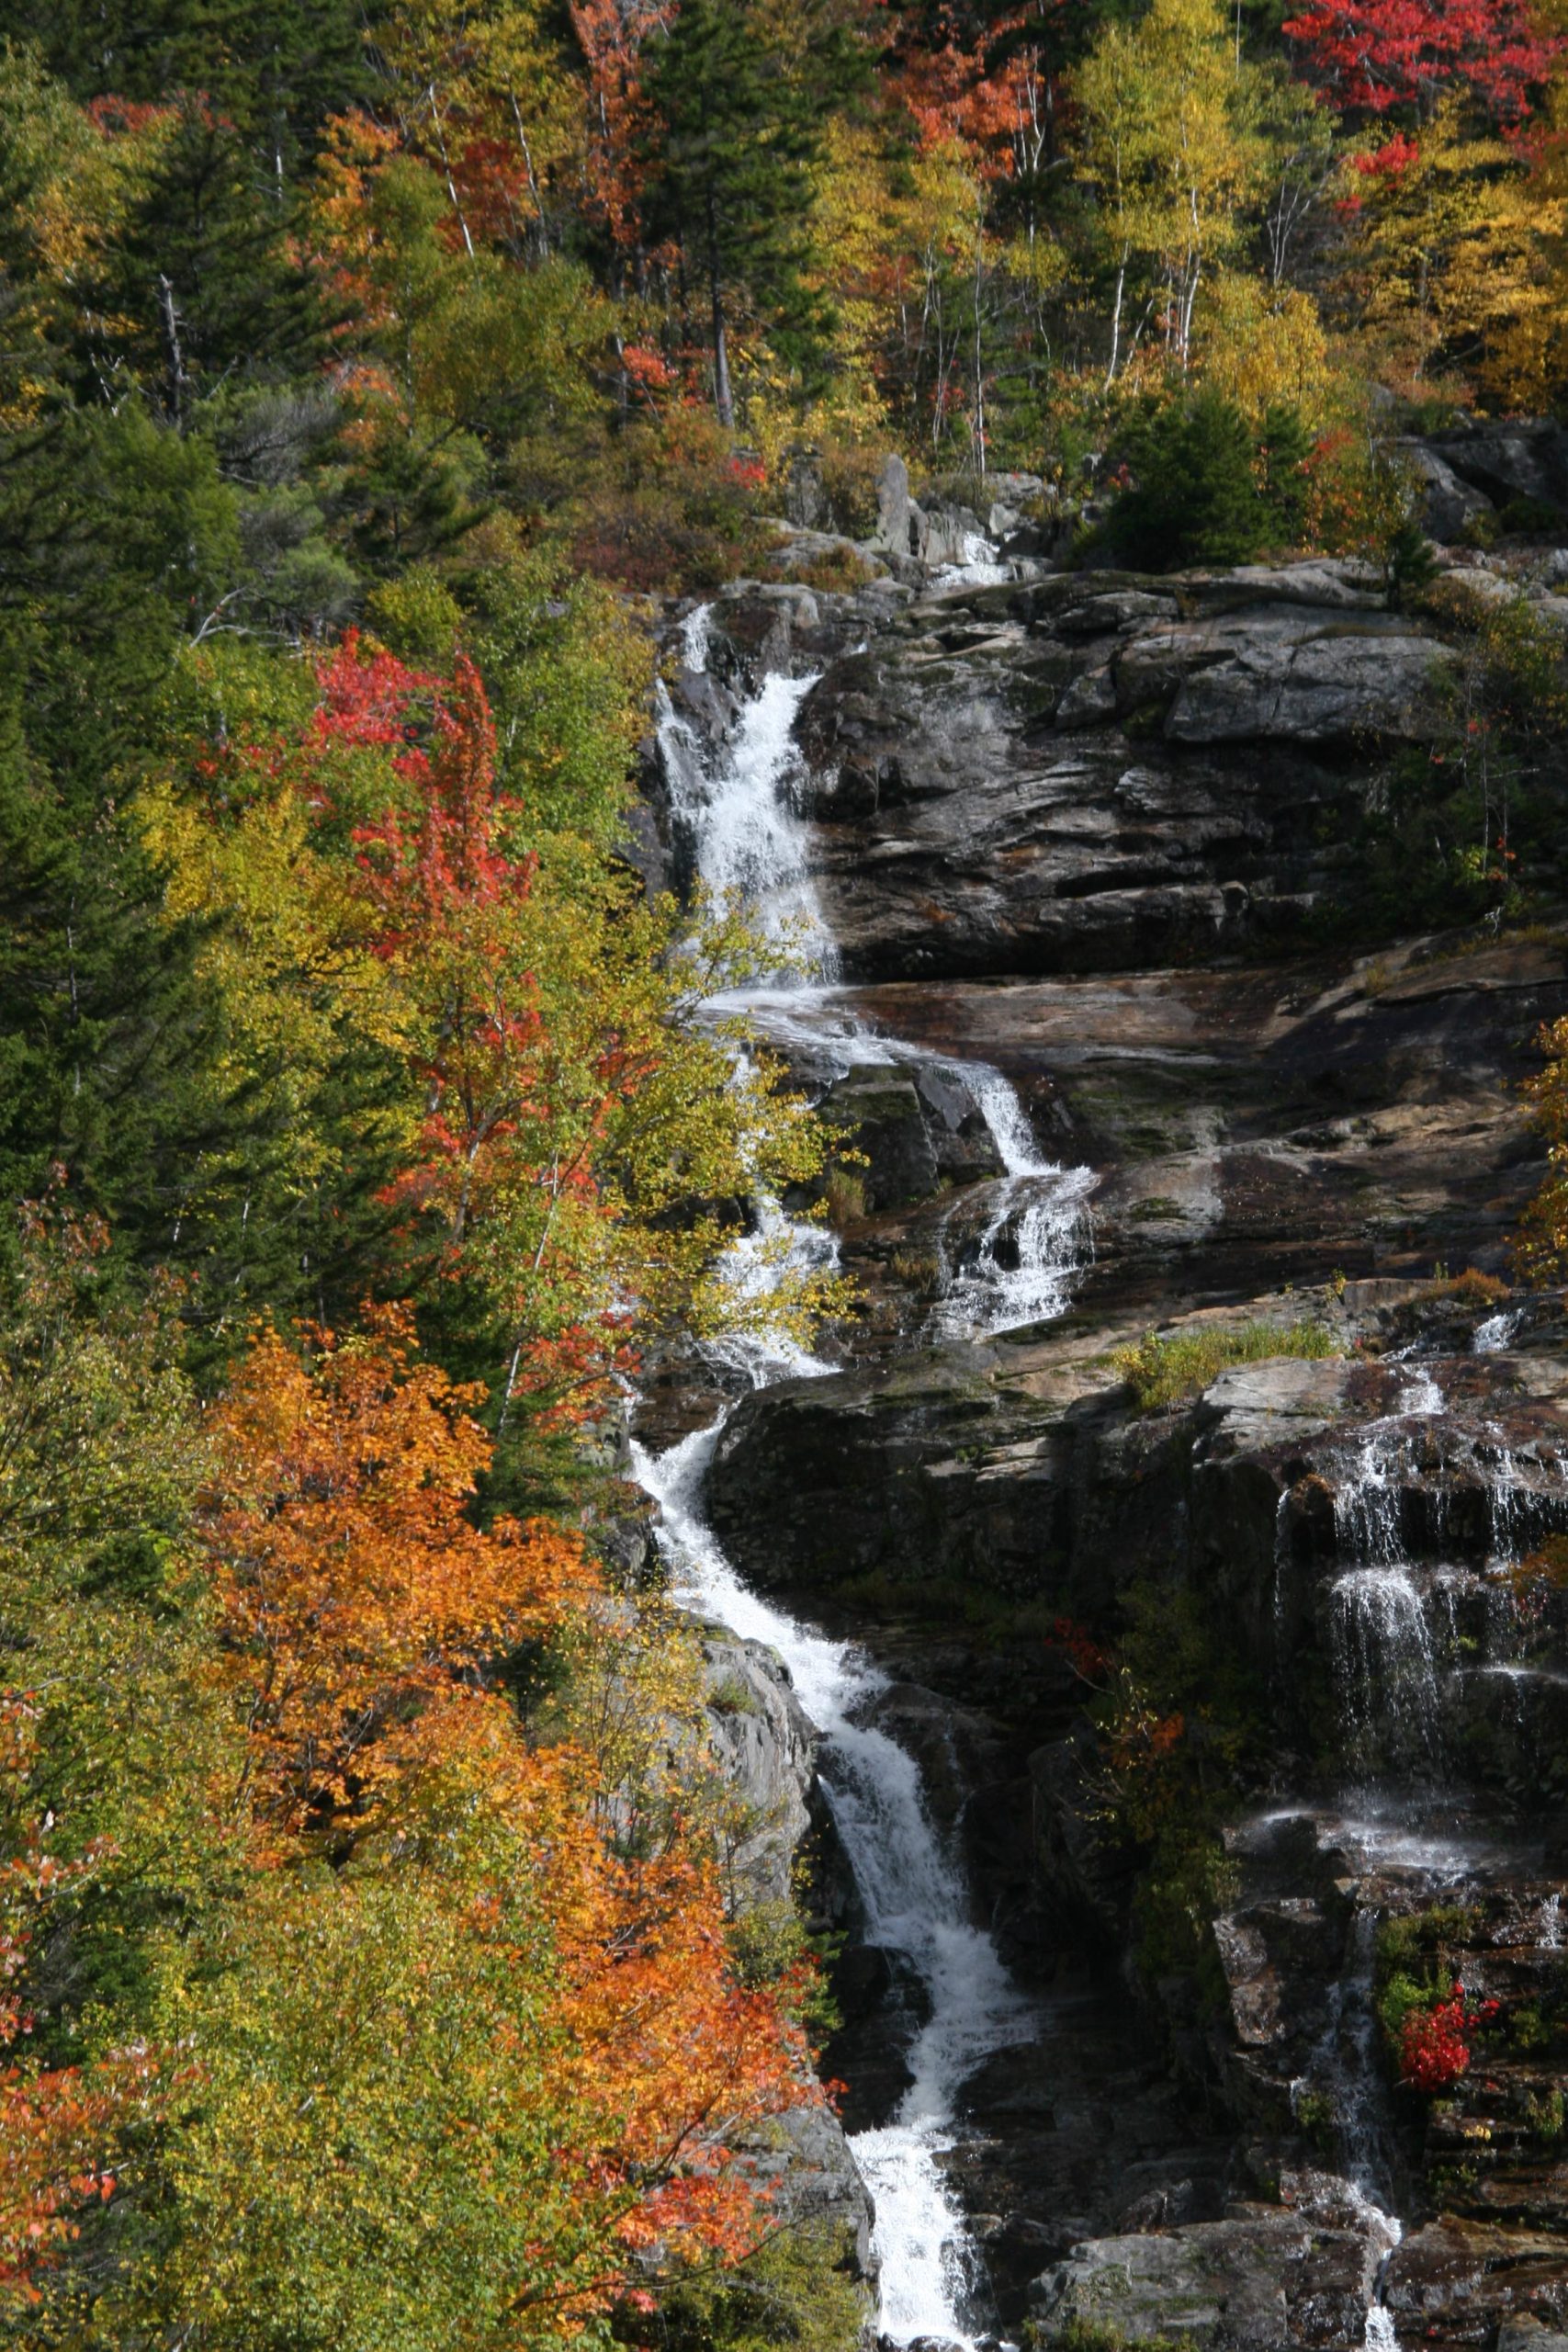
pixel 746 838
pixel 914 1901
pixel 1037 1216
pixel 1383 1652
pixel 1385 1655
pixel 748 843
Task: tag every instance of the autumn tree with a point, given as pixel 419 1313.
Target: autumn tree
pixel 1169 137
pixel 62 2126
pixel 1377 55
pixel 112 1759
pixel 352 1583
pixel 1442 227
pixel 561 2110
pixel 578 1128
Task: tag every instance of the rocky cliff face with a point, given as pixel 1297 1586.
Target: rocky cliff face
pixel 1083 830
pixel 1100 771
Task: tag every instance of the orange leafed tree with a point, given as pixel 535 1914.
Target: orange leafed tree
pixel 361 1607
pixel 354 1586
pixel 613 36
pixel 996 99
pixel 683 2058
pixel 669 2061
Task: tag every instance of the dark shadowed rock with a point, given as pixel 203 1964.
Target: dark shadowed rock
pixel 877 1112
pixel 1525 459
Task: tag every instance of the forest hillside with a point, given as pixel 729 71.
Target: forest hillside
pixel 378 377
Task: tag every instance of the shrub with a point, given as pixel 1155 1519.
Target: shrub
pixel 1528 2028
pixel 1544 2116
pixel 845 1194
pixel 796 2290
pixel 1473 1288
pixel 731 1696
pixel 1208 487
pixel 1531 518
pixel 1401 1998
pixel 1434 2048
pixel 920 1269
pixel 1409 567
pixel 1161 1371
pixel 850 475
pixel 668 507
pixel 838 569
pixel 1407 1941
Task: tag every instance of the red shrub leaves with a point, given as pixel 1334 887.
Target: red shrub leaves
pixel 1434 2049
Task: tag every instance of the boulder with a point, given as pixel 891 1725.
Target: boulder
pixel 805 2159
pixel 878 1114
pixel 961 1137
pixel 767 1752
pixel 1449 504
pixel 1337 685
pixel 1251 2285
pixel 806 504
pixel 893 508
pixel 1509 460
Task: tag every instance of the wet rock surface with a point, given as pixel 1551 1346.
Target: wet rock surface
pixel 1094 772
pixel 1080 830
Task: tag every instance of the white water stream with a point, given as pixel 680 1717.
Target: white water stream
pixel 916 1907
pixel 747 838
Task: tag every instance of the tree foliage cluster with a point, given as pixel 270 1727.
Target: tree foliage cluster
pixel 381 276
pixel 349 1999
pixel 369 1971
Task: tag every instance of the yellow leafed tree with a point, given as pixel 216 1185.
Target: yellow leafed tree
pixel 1171 141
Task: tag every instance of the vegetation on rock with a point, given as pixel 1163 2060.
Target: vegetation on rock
pixel 1162 1371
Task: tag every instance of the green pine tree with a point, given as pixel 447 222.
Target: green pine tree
pixel 730 175
pixel 202 286
pixel 1207 488
pixel 278 69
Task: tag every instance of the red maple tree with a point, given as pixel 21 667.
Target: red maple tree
pixel 1374 55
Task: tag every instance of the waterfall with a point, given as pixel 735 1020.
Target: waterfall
pixel 748 841
pixel 736 808
pixel 1020 1269
pixel 1366 1506
pixel 915 1902
pixel 1345 2067
pixel 1383 1656
pixel 1383 1652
